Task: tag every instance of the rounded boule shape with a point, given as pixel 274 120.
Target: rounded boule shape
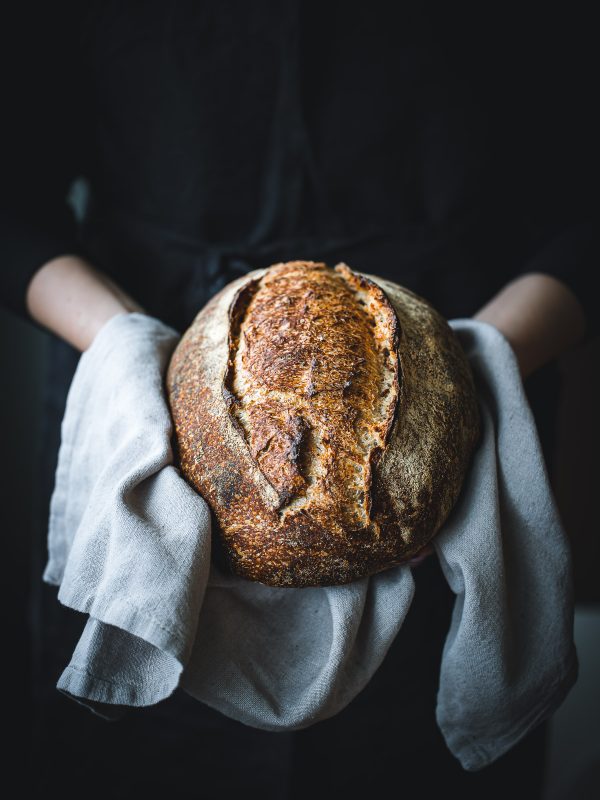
pixel 327 417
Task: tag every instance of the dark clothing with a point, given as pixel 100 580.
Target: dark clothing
pixel 216 139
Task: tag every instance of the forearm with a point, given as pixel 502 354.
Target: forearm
pixel 539 315
pixel 74 300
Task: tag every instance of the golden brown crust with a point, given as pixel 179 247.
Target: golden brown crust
pixel 328 419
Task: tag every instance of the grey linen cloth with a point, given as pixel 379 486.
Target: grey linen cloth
pixel 129 545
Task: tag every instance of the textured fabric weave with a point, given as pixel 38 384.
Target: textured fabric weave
pixel 129 545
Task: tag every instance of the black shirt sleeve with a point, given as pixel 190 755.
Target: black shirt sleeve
pixel 554 128
pixel 534 80
pixel 43 142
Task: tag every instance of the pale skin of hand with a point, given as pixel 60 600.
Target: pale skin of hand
pixel 538 314
pixel 540 317
pixel 73 300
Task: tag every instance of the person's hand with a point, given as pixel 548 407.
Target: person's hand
pixel 540 317
pixel 423 553
pixel 74 300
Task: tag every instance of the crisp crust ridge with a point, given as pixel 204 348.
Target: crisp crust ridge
pixel 326 416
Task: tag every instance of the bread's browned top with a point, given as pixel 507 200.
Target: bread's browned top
pixel 313 379
pixel 328 418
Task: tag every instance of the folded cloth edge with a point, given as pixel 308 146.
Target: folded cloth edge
pixel 77 682
pixel 474 756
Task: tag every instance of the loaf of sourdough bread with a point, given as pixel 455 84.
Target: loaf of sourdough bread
pixel 327 417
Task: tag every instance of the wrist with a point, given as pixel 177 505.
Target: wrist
pixel 539 316
pixel 74 301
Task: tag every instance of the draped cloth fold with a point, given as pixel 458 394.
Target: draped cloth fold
pixel 129 545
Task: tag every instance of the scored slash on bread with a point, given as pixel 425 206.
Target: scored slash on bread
pixel 327 417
